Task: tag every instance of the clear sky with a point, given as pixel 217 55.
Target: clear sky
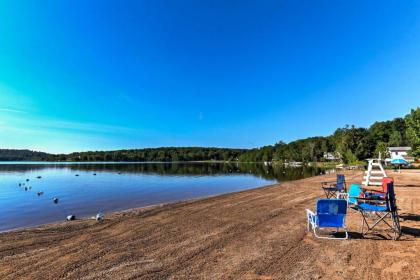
pixel 101 75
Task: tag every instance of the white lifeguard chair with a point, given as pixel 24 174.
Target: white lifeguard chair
pixel 375 173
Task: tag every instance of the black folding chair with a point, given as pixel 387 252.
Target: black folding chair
pixel 332 188
pixel 377 210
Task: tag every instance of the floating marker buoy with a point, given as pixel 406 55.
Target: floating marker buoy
pixel 40 193
pixel 55 200
pixel 27 180
pixel 94 174
pixel 100 217
pixel 20 184
pixel 38 177
pixel 26 188
pixel 76 175
pixel 30 187
pixel 71 217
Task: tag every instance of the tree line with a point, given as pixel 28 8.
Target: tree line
pixel 349 144
pixel 164 154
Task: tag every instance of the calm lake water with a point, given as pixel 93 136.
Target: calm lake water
pixel 119 186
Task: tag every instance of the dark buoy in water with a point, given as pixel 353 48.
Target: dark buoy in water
pixel 94 174
pixel 119 172
pixel 71 217
pixel 20 184
pixel 30 187
pixel 27 180
pixel 76 175
pixel 26 188
pixel 38 177
pixel 40 193
pixel 55 200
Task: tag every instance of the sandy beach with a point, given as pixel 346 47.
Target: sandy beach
pixel 254 234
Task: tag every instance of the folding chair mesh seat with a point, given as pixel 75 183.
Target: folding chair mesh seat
pixel 332 188
pixel 380 194
pixel 330 213
pixel 378 210
pixel 353 196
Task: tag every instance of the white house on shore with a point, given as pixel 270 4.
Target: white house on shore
pixel 395 152
pixel 331 156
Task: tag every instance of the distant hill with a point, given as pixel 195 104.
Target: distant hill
pixel 20 155
pixel 164 154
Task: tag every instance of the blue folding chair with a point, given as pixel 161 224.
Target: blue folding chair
pixel 378 210
pixel 332 188
pixel 330 213
pixel 354 193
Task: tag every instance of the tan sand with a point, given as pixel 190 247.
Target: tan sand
pixel 254 234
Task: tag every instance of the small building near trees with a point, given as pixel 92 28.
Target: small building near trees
pixel 395 152
pixel 331 156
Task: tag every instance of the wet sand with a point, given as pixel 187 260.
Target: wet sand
pixel 254 234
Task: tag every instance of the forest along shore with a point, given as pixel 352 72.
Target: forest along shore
pixel 258 233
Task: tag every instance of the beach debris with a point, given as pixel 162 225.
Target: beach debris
pixel 55 200
pixel 39 193
pixel 71 217
pixel 38 177
pixel 100 217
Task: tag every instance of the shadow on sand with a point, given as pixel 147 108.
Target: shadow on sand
pixel 411 231
pixel 410 217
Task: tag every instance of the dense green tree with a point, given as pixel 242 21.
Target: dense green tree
pixel 395 139
pixel 412 121
pixel 382 149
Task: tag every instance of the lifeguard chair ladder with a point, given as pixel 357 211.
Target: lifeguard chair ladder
pixel 375 173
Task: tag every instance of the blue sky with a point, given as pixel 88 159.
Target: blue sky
pixel 101 75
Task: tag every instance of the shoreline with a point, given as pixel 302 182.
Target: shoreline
pixel 110 214
pixel 257 233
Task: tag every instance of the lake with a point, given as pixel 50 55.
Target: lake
pixel 84 189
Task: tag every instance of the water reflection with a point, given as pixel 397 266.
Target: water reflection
pixel 270 172
pixel 27 191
